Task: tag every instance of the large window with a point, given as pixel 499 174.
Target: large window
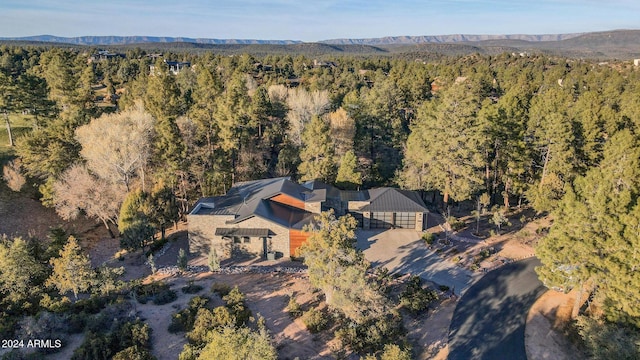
pixel 381 220
pixel 406 220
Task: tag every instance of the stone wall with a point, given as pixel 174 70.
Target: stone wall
pixel 202 238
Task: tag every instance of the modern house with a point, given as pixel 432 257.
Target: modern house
pixel 268 216
pixel 174 66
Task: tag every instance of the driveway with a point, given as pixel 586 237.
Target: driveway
pixel 402 251
pixel 489 321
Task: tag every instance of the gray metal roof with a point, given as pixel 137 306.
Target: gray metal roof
pixel 394 200
pixel 250 232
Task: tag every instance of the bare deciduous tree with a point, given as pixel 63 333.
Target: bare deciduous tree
pixel 12 175
pixel 303 105
pixel 343 131
pixel 78 191
pixel 116 146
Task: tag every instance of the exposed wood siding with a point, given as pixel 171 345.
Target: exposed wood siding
pixel 288 200
pixel 296 239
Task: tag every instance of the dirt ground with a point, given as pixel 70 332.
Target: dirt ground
pixel 544 339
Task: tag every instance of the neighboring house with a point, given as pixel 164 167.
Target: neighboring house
pixel 174 66
pixel 268 216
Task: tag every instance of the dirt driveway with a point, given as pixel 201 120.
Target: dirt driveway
pixel 401 251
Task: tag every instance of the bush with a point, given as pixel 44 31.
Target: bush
pixel 221 289
pixel 134 353
pixel 455 223
pixel 294 308
pixel 371 335
pixel 315 320
pixel 207 320
pixel 416 299
pixel 55 304
pixel 165 297
pixel 213 260
pixel 191 288
pixel 145 292
pixel 182 260
pixel 237 306
pixel 429 238
pixel 184 319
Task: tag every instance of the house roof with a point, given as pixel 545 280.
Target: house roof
pixel 251 198
pixel 394 200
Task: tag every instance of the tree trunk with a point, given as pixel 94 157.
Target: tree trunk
pixel 577 303
pixel 544 167
pixel 6 119
pixel 505 195
pixel 106 224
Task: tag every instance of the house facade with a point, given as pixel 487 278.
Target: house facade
pixel 269 215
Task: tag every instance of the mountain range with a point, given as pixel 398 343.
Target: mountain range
pixel 616 44
pixel 388 40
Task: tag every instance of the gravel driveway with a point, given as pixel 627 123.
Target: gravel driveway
pixel 402 251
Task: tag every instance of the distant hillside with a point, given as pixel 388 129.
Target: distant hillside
pixel 618 44
pixel 121 40
pixel 403 40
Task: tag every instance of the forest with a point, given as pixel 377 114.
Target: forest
pixel 132 144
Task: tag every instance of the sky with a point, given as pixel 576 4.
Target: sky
pixel 309 20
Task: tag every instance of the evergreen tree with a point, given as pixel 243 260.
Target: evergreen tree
pixel 443 151
pixel 19 270
pixel 72 270
pixel 317 154
pixel 348 176
pixel 340 270
pixel 593 243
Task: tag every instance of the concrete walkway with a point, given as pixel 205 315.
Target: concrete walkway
pixel 402 251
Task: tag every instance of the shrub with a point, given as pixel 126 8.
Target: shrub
pixel 207 320
pixel 191 288
pixel 144 292
pixel 182 260
pixel 55 304
pixel 455 223
pixel 221 289
pixel 415 298
pixel 184 319
pixel 429 238
pixel 165 297
pixel 134 353
pixel 237 306
pixel 213 260
pixel 373 334
pixel 294 308
pixel 315 320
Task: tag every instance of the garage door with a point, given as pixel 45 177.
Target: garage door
pixel 381 220
pixel 406 220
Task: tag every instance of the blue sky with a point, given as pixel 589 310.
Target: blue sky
pixel 310 20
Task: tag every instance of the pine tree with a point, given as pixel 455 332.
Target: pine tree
pixel 444 151
pixel 317 154
pixel 593 243
pixel 338 269
pixel 348 175
pixel 72 271
pixel 18 270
